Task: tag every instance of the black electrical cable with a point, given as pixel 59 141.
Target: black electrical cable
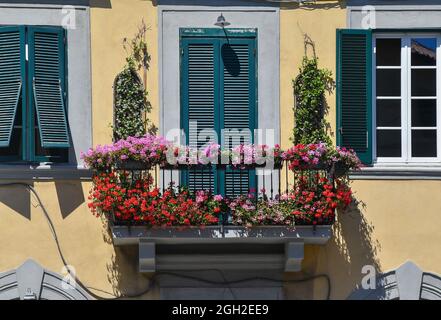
pixel 308 278
pixel 158 273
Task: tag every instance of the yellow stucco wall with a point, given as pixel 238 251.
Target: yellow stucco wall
pixel 109 26
pixel 85 242
pixel 400 221
pixel 318 21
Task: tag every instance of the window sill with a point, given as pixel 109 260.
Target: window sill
pixel 399 171
pixel 44 171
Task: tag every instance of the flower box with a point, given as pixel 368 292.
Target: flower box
pixel 132 165
pixel 129 235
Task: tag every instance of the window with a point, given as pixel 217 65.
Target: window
pixel 218 93
pixel 406 98
pixel 388 96
pixel 33 119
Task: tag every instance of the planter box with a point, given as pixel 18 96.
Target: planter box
pixel 339 169
pixel 132 165
pixel 128 235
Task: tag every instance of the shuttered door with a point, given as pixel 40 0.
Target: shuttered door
pixel 238 94
pixel 200 91
pixel 12 75
pixel 218 88
pixel 47 64
pixel 354 90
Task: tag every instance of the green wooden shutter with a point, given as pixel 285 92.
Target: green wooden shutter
pixel 12 75
pixel 199 99
pixel 354 91
pixel 238 104
pixel 218 90
pixel 47 70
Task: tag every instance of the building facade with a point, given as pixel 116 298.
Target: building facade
pixel 384 56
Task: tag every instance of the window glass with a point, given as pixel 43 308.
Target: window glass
pixel 423 52
pixel 423 113
pixel 389 143
pixel 15 145
pixel 423 82
pixel 389 82
pixel 413 59
pixel 389 112
pixel 388 102
pixel 48 154
pixel 424 143
pixel 388 52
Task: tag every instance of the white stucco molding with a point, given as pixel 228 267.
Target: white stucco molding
pixel 241 14
pixel 407 282
pixel 31 281
pixel 405 14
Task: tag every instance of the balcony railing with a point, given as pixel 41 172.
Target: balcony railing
pixel 274 181
pixel 269 183
pixel 292 204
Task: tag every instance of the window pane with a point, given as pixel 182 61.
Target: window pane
pixel 424 52
pixel 388 52
pixel 423 82
pixel 52 154
pixel 423 143
pixel 15 145
pixel 423 112
pixel 388 112
pixel 389 82
pixel 47 154
pixel 388 143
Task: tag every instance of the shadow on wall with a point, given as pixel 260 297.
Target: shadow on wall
pixel 122 270
pixel 70 196
pixel 100 4
pixel 314 5
pixel 350 249
pixel 18 198
pixel 93 3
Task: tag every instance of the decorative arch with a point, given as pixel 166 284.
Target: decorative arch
pixel 31 282
pixel 407 282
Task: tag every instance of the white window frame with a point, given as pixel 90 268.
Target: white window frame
pixel 406 128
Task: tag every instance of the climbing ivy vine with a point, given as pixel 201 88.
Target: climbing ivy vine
pixel 130 96
pixel 310 88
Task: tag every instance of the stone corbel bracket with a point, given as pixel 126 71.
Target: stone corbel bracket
pixel 293 240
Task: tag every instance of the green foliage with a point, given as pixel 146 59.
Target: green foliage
pixel 138 57
pixel 310 109
pixel 131 103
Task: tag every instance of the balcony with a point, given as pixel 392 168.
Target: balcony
pixel 214 214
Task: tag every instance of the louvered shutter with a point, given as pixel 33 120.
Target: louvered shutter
pixel 12 75
pixel 199 92
pixel 354 90
pixel 238 104
pixel 47 69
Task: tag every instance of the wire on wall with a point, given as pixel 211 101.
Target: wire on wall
pixel 158 274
